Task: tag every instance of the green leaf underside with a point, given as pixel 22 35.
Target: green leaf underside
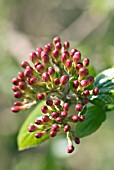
pixel 27 139
pixel 93 119
pixel 105 82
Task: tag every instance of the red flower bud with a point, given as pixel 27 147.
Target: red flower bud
pixel 95 91
pixel 55 128
pixel 56 40
pixel 66 45
pixel 56 81
pixel 45 118
pixel 32 128
pixel 53 133
pixel 78 107
pixel 77 57
pixel 41 96
pixel 72 52
pixel 63 114
pixel 33 57
pixel 55 115
pixel 75 118
pixel 75 84
pixel 64 79
pixel 66 128
pixel 24 64
pixel 77 140
pixel 38 135
pixel 44 109
pixel 86 62
pixel 46 77
pixel 70 149
pixel 82 118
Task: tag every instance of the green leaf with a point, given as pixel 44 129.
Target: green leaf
pixel 105 82
pixel 93 119
pixel 105 78
pixel 91 70
pixel 27 139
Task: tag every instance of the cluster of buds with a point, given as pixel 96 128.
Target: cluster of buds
pixel 61 78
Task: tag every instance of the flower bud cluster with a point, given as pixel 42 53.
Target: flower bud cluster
pixel 61 78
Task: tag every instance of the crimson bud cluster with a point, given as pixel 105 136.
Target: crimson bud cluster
pixel 61 78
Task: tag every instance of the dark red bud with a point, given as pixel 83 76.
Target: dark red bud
pixel 77 57
pixel 18 103
pixel 86 62
pixel 82 118
pixel 66 45
pixel 86 93
pixel 77 140
pixel 84 83
pixel 66 128
pixel 32 81
pixel 95 91
pixel 18 94
pixel 38 121
pixel 38 54
pixel 73 51
pixel 28 72
pixel 44 109
pixel 22 85
pixel 68 63
pixel 83 71
pixel 15 109
pixel 21 74
pixel 85 100
pixel 24 64
pixel 51 71
pixel 15 88
pixel 36 64
pixel 39 49
pixel 15 81
pixel 33 56
pixel 57 102
pixel 55 128
pixel 56 81
pixel 48 48
pixel 38 135
pixel 55 115
pixel 53 133
pixel 46 77
pixel 78 107
pixel 56 40
pixel 64 79
pixel 58 45
pixel 40 68
pixel 75 84
pixel 32 128
pixel 58 119
pixel 90 80
pixel 64 56
pixel 78 66
pixel 49 102
pixel 55 53
pixel 66 107
pixel 44 57
pixel 70 149
pixel 63 114
pixel 41 96
pixel 75 118
pixel 45 118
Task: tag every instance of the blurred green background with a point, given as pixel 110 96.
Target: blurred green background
pixel 26 24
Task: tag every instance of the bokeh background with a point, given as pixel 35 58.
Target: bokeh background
pixel 26 24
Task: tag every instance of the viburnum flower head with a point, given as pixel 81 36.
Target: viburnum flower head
pixel 60 77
